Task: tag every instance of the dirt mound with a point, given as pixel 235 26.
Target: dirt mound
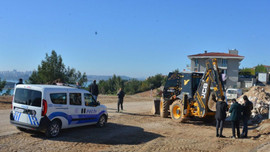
pixel 263 129
pixel 151 93
pixel 260 97
pixel 257 94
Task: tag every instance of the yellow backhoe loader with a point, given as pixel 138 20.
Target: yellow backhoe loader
pixel 186 95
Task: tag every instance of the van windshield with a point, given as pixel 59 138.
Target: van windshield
pixel 232 92
pixel 28 97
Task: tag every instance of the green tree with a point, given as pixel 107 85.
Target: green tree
pixel 260 69
pixel 132 86
pixel 111 86
pixel 2 84
pixel 247 71
pixel 52 70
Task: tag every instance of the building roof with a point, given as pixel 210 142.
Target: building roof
pixel 267 66
pixel 216 55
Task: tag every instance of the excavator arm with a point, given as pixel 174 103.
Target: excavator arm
pixel 210 82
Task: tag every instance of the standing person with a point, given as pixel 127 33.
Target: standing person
pixel 20 81
pixel 221 108
pixel 235 111
pixel 121 95
pixel 247 107
pixel 93 88
pixel 78 85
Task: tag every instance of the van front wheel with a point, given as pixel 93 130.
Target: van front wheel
pixel 54 129
pixel 102 121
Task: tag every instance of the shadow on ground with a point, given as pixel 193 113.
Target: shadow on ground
pixel 5 102
pixel 136 114
pixel 111 134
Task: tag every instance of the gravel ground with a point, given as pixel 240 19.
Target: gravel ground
pixel 135 129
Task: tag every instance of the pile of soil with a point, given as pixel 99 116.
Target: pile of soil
pixel 263 129
pixel 260 97
pixel 257 94
pixel 151 93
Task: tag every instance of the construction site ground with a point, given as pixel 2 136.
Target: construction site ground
pixel 134 129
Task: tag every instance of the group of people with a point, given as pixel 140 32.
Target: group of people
pixel 238 112
pixel 93 88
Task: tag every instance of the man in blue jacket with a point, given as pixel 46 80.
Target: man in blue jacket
pixel 235 111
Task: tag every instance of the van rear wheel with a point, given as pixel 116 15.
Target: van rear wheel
pixel 54 129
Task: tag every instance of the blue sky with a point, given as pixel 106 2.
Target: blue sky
pixel 137 38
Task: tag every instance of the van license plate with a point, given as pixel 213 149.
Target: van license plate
pixel 19 110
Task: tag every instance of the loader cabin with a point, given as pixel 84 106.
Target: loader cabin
pixel 181 83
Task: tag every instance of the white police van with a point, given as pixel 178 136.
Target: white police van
pixel 50 108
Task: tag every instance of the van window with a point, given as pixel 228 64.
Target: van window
pixel 59 98
pixel 75 99
pixel 89 100
pixel 28 97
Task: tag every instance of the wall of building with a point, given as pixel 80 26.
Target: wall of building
pixel 232 70
pixel 200 67
pixel 232 73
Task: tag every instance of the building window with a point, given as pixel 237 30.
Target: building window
pixel 224 63
pixel 196 62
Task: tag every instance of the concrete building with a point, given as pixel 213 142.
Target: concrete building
pixel 228 63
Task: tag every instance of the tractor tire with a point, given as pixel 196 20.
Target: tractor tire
pixel 177 111
pixel 164 108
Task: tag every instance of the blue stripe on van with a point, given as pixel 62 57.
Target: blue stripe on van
pixel 36 120
pixel 17 116
pixel 30 119
pixel 60 114
pixel 75 119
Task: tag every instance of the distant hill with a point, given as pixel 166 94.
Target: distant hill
pixel 14 76
pixel 100 77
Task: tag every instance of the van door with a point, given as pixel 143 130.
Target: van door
pixel 76 109
pixel 58 106
pixel 92 112
pixel 27 106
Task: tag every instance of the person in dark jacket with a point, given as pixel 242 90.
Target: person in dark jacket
pixel 93 88
pixel 121 95
pixel 221 108
pixel 20 81
pixel 247 107
pixel 235 111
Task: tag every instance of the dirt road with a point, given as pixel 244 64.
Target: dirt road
pixel 135 129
